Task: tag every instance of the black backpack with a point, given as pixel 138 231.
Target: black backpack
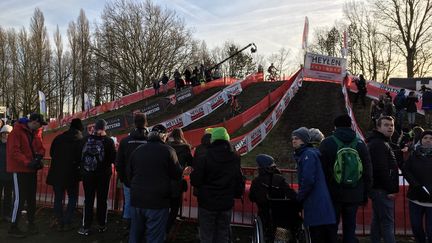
pixel 92 154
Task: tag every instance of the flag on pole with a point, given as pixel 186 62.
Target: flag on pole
pixel 305 34
pixel 87 103
pixel 345 44
pixel 42 103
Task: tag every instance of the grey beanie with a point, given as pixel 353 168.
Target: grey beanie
pixel 302 133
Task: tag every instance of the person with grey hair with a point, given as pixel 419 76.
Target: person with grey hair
pixel 316 137
pixel 313 193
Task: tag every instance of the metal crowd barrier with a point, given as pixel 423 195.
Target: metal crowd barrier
pixel 244 210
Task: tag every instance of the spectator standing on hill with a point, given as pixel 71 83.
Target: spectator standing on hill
pixel 417 171
pixel 156 86
pixel 178 80
pixel 152 167
pixel 268 184
pixel 411 107
pixel 188 76
pixel 6 181
pixel 97 157
pixel 361 90
pixel 313 193
pixel 64 174
pixel 347 193
pixel 399 102
pixel 385 181
pixel 24 153
pixel 375 113
pixel 184 155
pixel 165 80
pixel 136 137
pixel 217 176
pixel 195 76
pixel 427 105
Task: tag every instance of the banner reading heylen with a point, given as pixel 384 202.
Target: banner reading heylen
pixel 324 67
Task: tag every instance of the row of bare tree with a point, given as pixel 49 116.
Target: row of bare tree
pixel 134 44
pixel 385 38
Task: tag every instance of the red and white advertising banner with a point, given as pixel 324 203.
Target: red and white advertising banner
pixel 246 143
pixel 204 108
pixel 324 67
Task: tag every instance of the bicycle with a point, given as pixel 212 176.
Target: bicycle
pixel 272 77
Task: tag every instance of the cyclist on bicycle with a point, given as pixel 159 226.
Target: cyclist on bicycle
pixel 272 72
pixel 234 105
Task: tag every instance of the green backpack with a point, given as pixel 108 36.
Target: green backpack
pixel 348 168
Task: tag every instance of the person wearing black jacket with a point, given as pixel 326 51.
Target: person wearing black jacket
pixel 385 180
pixel 97 182
pixel 417 171
pixel 64 174
pixel 216 175
pixel 127 145
pixel 152 167
pixel 268 184
pixel 346 200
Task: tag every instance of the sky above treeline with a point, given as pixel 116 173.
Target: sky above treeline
pixel 270 24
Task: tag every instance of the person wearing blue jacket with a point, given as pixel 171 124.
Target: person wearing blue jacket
pixel 319 214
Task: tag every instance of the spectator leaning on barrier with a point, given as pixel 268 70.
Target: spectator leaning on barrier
pixel 152 167
pixel 127 145
pixel 24 158
pixel 98 154
pixel 346 196
pixel 319 214
pixel 6 182
pixel 417 171
pixel 64 174
pixel 385 180
pixel 218 178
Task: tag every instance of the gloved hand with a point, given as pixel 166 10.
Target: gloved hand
pixel 36 163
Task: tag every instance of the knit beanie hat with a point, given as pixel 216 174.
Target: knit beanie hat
pixel 100 125
pixel 425 132
pixel 302 133
pixel 219 133
pixel 265 161
pixel 77 124
pixel 342 121
pixel 316 136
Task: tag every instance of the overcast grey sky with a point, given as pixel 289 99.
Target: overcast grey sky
pixel 271 24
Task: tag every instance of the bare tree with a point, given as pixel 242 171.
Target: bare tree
pixel 139 41
pixel 410 23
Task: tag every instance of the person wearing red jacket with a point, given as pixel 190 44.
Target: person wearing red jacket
pixel 24 158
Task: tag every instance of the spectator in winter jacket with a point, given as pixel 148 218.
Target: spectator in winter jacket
pixel 417 171
pixel 64 174
pixel 152 167
pixel 184 155
pixel 346 199
pixel 164 81
pixel 399 102
pixel 25 151
pixel 269 184
pixel 361 90
pixel 127 145
pixel 313 193
pixel 385 180
pixel 6 182
pixel 411 107
pixel 100 148
pixel 217 176
pixel 201 149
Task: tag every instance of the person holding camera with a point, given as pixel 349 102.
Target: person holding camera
pixel 24 158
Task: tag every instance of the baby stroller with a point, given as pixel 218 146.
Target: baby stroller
pixel 286 222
